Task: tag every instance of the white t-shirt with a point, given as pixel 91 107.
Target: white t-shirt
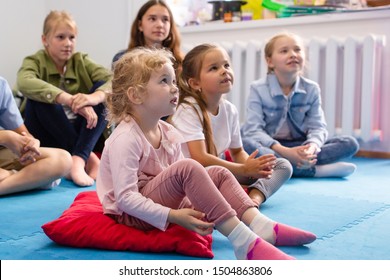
pixel 225 126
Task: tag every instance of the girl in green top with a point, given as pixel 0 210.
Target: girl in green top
pixel 65 93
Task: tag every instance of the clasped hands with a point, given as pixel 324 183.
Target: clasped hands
pixel 260 167
pixel 307 155
pixel 24 146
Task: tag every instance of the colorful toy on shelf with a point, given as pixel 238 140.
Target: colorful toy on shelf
pixel 227 10
pixel 298 7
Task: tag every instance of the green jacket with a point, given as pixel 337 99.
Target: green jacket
pixel 39 80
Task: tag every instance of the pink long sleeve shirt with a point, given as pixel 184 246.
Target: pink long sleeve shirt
pixel 128 163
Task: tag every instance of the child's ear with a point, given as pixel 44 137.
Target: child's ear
pixel 269 62
pixel 194 84
pixel 44 40
pixel 134 96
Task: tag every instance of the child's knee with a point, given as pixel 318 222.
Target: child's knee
pixel 221 172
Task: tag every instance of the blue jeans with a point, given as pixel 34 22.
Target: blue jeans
pixel 334 149
pixel 48 123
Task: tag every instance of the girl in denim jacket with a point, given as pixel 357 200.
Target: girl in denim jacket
pixel 284 116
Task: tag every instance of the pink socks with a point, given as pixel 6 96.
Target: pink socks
pixel 258 241
pixel 290 236
pixel 261 250
pixel 279 234
pixel 248 246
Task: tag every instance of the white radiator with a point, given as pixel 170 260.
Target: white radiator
pixel 347 70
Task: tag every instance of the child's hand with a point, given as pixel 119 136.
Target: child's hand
pixel 308 156
pixel 21 144
pixel 89 114
pixel 30 150
pixel 81 100
pixel 31 144
pixel 24 146
pixel 267 162
pixel 28 158
pixel 299 156
pixel 261 167
pixel 190 219
pixel 312 149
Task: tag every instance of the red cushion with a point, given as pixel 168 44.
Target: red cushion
pixel 85 225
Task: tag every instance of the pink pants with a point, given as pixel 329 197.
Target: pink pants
pixel 187 184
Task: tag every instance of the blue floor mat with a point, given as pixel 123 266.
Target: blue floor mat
pixel 351 218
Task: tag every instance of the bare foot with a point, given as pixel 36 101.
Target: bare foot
pixel 78 174
pixel 92 166
pixel 256 196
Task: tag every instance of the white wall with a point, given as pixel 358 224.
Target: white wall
pixel 104 28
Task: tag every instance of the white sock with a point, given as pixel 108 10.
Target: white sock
pixel 241 237
pixel 337 169
pixel 263 227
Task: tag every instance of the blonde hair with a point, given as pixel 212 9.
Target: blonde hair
pixel 270 46
pixel 192 65
pixel 133 70
pixel 54 19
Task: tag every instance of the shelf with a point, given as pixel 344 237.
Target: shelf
pixel 368 13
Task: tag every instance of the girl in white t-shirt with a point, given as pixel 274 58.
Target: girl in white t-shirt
pixel 210 124
pixel 145 182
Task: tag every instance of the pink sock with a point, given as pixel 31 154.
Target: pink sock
pixel 248 246
pixel 280 234
pixel 261 250
pixel 289 236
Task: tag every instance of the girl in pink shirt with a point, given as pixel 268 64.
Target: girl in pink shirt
pixel 145 182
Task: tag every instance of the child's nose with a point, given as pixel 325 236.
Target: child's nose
pixel 160 23
pixel 174 89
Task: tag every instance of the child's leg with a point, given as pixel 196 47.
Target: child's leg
pixel 336 149
pixel 49 124
pixel 332 152
pixel 78 173
pixel 85 163
pixel 87 138
pixel 92 165
pixel 267 187
pixel 184 184
pixel 53 164
pixel 5 173
pixel 269 230
pixel 188 178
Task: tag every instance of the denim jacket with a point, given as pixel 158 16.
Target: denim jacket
pixel 268 108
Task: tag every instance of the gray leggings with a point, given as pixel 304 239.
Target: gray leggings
pixel 282 173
